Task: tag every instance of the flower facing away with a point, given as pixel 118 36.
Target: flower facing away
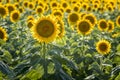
pixel 45 29
pixel 103 47
pixel 3 34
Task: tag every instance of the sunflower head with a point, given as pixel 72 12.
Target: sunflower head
pixel 118 21
pixel 31 5
pixel 14 16
pixel 64 4
pixel 10 7
pixel 57 13
pixel 102 25
pixel 39 10
pixel 3 34
pixel 110 26
pixel 91 18
pixel 84 27
pixel 25 4
pixel 68 9
pixel 30 17
pixel 45 29
pixel 103 47
pixel 3 11
pixel 73 18
pixel 30 23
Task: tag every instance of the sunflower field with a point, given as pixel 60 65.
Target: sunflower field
pixel 59 39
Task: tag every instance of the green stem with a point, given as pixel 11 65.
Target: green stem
pixel 45 61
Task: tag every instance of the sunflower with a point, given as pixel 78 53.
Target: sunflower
pixel 84 27
pixel 76 8
pixel 96 6
pixel 68 9
pixel 14 16
pixel 103 47
pixel 21 9
pixel 30 23
pixel 118 21
pixel 53 4
pixel 61 28
pixel 91 18
pixel 102 25
pixel 82 15
pixel 31 5
pixel 3 34
pixel 111 26
pixel 40 3
pixel 10 7
pixel 110 8
pixel 45 29
pixel 3 11
pixel 73 18
pixel 30 17
pixel 57 13
pixel 25 4
pixel 84 6
pixel 64 4
pixel 39 10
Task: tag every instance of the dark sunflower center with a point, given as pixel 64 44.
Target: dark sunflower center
pixel 1 35
pixel 76 9
pixel 103 47
pixel 39 10
pixel 2 11
pixel 84 27
pixel 30 6
pixel 10 8
pixel 103 25
pixel 45 28
pixel 15 16
pixel 110 26
pixel 73 17
pixel 64 5
pixel 54 5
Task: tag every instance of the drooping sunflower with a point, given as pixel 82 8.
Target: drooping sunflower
pixel 84 27
pixel 30 23
pixel 14 16
pixel 73 17
pixel 91 18
pixel 3 34
pixel 3 11
pixel 68 9
pixel 57 13
pixel 111 26
pixel 118 21
pixel 102 25
pixel 30 17
pixel 103 47
pixel 45 29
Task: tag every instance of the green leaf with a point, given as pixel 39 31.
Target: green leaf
pixel 51 68
pixel 118 77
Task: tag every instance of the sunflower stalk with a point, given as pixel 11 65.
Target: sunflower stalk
pixel 45 60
